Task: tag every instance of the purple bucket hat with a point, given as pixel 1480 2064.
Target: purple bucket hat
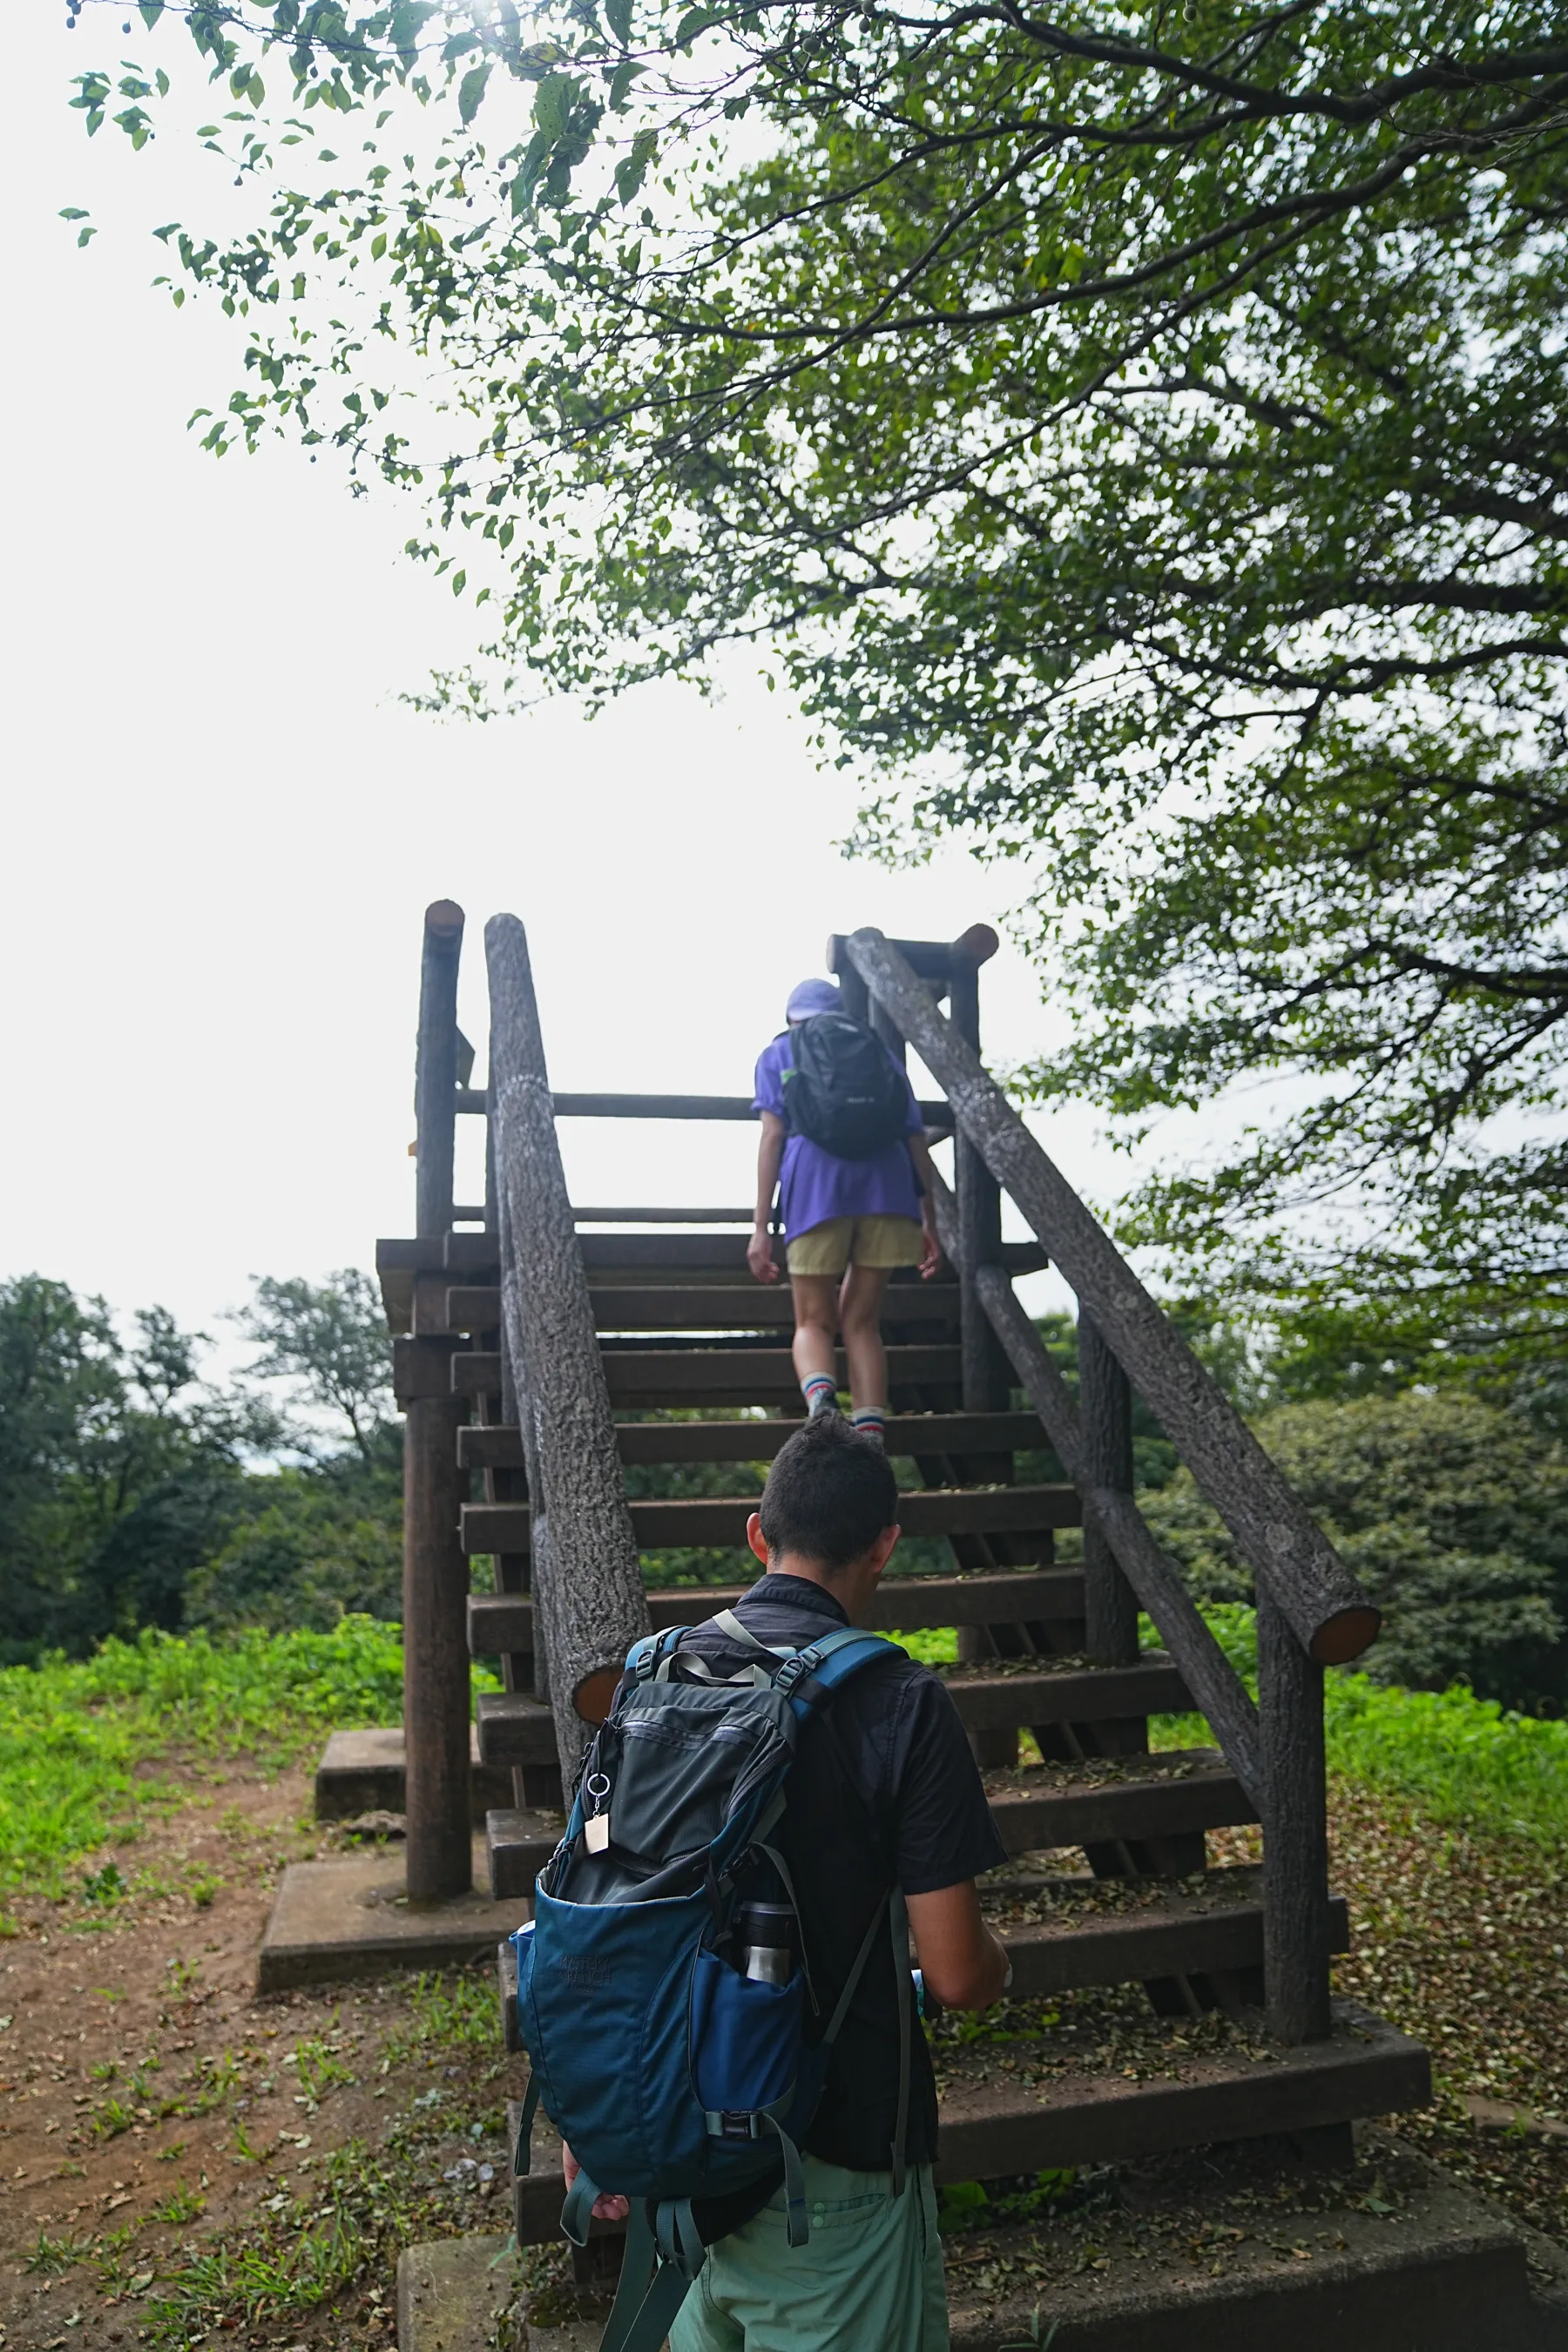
pixel 809 996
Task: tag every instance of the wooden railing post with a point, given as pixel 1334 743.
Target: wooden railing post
pixel 436 1068
pixel 1105 1408
pixel 1295 1832
pixel 987 1384
pixel 586 1577
pixel 434 1569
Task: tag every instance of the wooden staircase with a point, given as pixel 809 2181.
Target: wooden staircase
pixel 1149 1948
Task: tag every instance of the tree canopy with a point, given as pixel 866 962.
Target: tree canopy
pixel 1136 437
pixel 134 1492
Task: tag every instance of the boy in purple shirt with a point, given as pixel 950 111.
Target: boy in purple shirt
pixel 848 1224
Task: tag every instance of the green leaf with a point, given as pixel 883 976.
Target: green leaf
pixel 553 103
pixel 150 11
pixel 632 170
pixel 471 90
pixel 408 19
pixel 72 212
pixel 619 16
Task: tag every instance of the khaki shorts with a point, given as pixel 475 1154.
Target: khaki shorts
pixel 840 1242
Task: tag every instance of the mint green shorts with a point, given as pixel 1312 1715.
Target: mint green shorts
pixel 871 2280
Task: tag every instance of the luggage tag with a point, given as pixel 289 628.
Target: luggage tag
pixel 596 1827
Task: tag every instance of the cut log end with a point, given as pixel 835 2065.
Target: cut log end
pixel 443 921
pixel 1345 1636
pixel 978 944
pixel 593 1694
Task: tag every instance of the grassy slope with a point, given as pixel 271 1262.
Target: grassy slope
pixel 81 1740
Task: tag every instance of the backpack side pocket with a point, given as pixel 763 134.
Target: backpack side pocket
pixel 745 2038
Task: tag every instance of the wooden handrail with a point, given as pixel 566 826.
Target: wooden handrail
pixel 587 1577
pixel 475 1102
pixel 1290 1557
pixel 1217 1690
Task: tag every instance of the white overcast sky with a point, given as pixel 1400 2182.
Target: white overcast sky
pixel 220 828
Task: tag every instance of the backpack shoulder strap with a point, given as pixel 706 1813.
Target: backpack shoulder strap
pixel 812 1675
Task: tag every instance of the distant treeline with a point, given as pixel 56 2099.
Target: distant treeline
pixel 134 1493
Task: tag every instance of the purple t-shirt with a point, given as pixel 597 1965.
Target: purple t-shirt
pixel 815 1184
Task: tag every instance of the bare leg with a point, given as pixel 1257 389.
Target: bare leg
pixel 861 1318
pixel 815 1325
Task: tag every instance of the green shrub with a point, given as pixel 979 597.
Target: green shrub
pixel 1452 1512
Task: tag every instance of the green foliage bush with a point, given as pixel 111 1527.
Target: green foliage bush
pixel 1452 1511
pixel 317 1548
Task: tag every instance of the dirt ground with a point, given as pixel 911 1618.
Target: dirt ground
pixel 179 2160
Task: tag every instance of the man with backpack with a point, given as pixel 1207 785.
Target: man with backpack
pixel 844 1143
pixel 795 2211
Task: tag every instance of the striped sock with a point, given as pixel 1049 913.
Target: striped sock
pixel 821 1393
pixel 870 1420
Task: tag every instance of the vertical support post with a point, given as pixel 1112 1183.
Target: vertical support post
pixel 434 1655
pixel 435 1569
pixel 1295 1831
pixel 987 1384
pixel 436 1068
pixel 1105 1408
pixel 851 982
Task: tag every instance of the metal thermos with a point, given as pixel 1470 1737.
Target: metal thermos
pixel 766 1951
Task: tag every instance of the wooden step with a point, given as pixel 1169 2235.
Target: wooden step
pixel 929 1435
pixel 989 2131
pixel 718 1519
pixel 516 1728
pixel 1041 1808
pixel 502 1623
pixel 659 1258
pixel 711 1306
pixel 647 1378
pixel 988 1699
pixel 1099 1931
pixel 1206 1925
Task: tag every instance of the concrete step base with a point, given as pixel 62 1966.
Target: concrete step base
pixel 1208 2249
pixel 335 1920
pixel 364 1772
pixel 455 2293
pixel 1221 2250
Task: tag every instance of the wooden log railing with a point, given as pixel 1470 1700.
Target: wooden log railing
pixel 587 1585
pixel 475 1101
pixel 1311 1612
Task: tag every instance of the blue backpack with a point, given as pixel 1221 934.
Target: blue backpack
pixel 671 2073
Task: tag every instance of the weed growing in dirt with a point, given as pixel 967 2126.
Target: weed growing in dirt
pixel 52 2255
pixel 181 2205
pixel 447 2010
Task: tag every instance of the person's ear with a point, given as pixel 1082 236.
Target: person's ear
pixel 755 1537
pixel 881 1551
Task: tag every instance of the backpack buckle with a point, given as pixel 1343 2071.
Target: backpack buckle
pixel 733 2127
pixel 797 1669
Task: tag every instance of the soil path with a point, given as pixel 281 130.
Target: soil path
pixel 179 2158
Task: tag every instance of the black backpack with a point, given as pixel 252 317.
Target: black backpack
pixel 845 1092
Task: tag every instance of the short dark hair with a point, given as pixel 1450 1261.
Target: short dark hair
pixel 829 1494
